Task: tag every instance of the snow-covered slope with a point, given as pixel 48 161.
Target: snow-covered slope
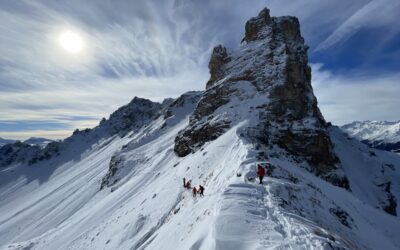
pixel 149 209
pixel 378 134
pixel 119 185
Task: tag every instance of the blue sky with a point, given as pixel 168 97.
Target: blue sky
pixel 158 49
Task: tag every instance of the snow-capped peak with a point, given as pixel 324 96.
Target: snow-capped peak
pixel 384 131
pixel 267 83
pixel 42 142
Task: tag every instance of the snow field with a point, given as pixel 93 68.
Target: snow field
pixel 148 208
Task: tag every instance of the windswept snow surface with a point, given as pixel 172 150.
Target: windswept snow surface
pixel 149 209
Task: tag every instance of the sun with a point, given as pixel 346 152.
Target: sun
pixel 71 42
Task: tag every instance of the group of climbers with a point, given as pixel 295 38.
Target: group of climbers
pixel 195 191
pixel 200 191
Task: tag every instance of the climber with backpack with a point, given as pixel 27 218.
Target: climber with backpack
pixel 194 191
pixel 201 191
pixel 260 173
pixel 187 184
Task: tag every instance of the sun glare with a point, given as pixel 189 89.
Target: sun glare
pixel 71 42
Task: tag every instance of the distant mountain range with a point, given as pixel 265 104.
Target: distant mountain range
pixel 378 134
pixel 39 141
pixel 5 141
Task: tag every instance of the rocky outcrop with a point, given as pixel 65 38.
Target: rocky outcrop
pixel 255 26
pixel 134 115
pixel 110 178
pixel 266 81
pixel 219 57
pixel 18 152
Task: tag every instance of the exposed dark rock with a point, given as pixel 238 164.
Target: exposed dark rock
pixel 255 25
pixel 314 146
pixel 17 152
pixel 271 65
pixel 133 115
pixel 342 215
pixel 210 102
pixel 391 204
pixel 187 141
pixel 218 59
pixel 108 179
pixel 388 146
pixel 52 149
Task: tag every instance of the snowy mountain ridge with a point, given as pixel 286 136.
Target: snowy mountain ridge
pixel 119 185
pixel 378 134
pixel 126 119
pixel 42 142
pixel 5 141
pixel 13 151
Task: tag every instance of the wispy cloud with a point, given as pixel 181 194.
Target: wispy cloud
pixel 376 13
pixel 147 48
pixel 357 95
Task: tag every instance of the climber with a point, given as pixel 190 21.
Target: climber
pixel 194 191
pixel 187 184
pixel 201 191
pixel 260 173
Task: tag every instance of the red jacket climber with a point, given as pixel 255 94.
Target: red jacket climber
pixel 260 173
pixel 194 191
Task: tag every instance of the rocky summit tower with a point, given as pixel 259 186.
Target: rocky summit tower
pixel 266 83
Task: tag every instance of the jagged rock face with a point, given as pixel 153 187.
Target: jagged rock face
pixel 17 152
pixel 184 101
pixel 255 25
pixel 219 57
pixel 269 79
pixel 133 115
pixel 110 179
pixel 52 149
